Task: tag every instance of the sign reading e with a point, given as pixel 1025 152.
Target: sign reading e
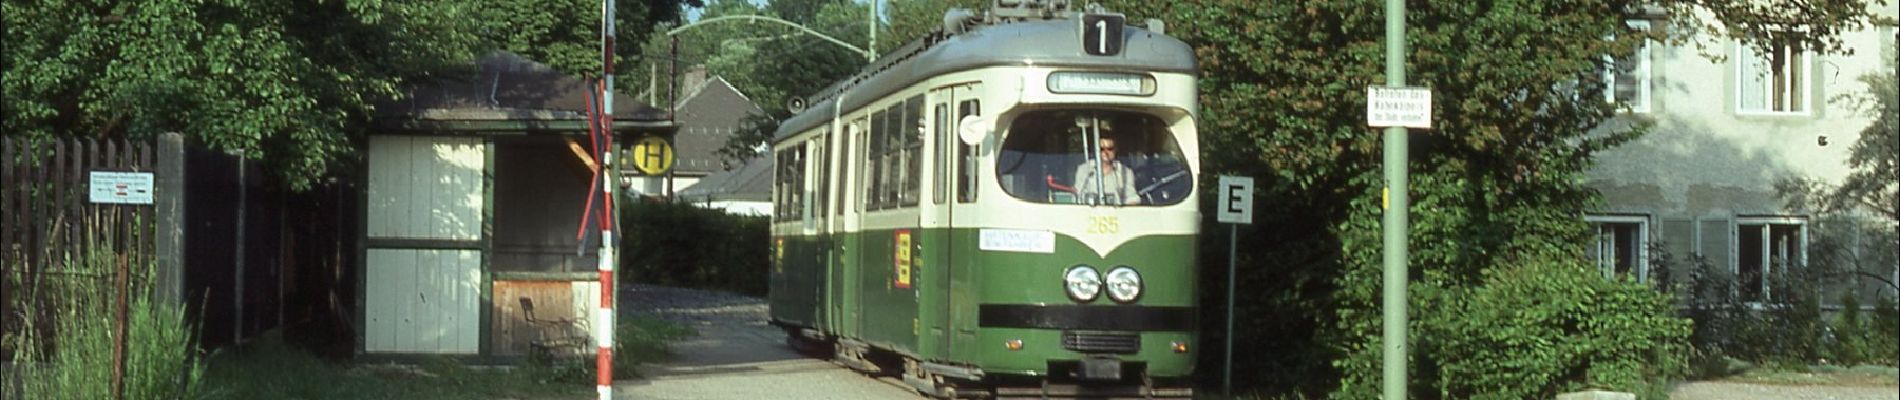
pixel 1236 200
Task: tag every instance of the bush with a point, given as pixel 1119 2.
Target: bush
pixel 1883 335
pixel 1544 328
pixel 161 353
pixel 1847 336
pixel 1785 329
pixel 1504 306
pixel 1534 330
pixel 678 244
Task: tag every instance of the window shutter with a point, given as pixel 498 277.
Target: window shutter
pixel 1678 238
pixel 1713 238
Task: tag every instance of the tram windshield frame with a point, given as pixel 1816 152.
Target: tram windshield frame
pixel 1055 157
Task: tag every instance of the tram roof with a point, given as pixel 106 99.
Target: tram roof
pixel 1005 44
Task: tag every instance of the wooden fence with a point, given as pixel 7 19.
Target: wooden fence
pixel 57 224
pixel 254 256
pixel 48 216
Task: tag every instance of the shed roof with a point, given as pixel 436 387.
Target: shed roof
pixel 508 92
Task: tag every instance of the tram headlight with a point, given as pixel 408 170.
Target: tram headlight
pixel 1082 282
pixel 1124 284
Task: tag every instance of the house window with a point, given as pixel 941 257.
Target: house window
pixel 1621 248
pixel 1775 80
pixel 1627 81
pixel 1763 248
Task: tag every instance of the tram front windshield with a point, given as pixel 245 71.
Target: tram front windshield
pixel 1093 157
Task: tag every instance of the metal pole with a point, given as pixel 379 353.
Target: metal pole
pixel 870 54
pixel 237 298
pixel 1396 218
pixel 1227 370
pixel 604 315
pixel 119 331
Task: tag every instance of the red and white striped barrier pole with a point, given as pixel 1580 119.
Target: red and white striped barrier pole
pixel 604 315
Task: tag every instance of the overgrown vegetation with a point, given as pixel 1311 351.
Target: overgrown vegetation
pixel 268 369
pixel 637 340
pixel 678 244
pixel 1788 330
pixel 76 361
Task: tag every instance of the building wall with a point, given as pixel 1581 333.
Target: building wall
pixel 422 279
pixel 1707 170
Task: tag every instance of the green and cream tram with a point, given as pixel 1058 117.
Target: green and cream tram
pixel 1005 208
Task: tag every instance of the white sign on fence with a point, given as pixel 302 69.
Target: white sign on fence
pixel 1409 107
pixel 121 187
pixel 1236 200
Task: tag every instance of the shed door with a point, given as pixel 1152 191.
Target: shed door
pixel 423 281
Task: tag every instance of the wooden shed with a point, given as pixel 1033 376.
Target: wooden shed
pixel 474 195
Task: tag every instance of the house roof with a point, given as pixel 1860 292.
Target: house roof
pixel 752 180
pixel 508 92
pixel 707 116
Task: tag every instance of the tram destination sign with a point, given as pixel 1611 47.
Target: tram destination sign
pixel 1083 82
pixel 1409 107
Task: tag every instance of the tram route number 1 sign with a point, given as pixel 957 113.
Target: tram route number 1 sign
pixel 1236 200
pixel 1409 107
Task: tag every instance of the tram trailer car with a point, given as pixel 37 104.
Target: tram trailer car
pixel 941 217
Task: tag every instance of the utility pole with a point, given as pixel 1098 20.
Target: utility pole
pixel 604 314
pixel 1396 217
pixel 870 54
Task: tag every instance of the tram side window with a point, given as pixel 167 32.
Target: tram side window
pixel 874 192
pixel 790 183
pixel 863 174
pixel 844 169
pixel 821 190
pixel 966 155
pixel 940 114
pixel 893 157
pixel 913 133
pixel 1093 158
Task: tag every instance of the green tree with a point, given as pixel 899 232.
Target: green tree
pixel 281 82
pixel 1497 184
pixel 565 34
pixel 770 63
pixel 291 84
pixel 912 19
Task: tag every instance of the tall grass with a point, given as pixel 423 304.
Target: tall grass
pixel 76 360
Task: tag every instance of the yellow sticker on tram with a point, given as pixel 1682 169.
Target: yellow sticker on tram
pixel 903 258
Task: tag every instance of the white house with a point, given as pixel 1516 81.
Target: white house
pixel 1726 129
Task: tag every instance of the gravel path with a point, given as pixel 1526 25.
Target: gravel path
pixel 736 355
pixel 1755 391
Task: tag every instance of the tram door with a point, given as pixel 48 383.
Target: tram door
pixel 949 307
pixel 817 219
pixel 841 311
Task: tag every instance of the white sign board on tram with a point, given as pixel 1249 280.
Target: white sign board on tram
pixel 1409 107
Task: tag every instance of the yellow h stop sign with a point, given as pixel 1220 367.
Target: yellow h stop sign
pixel 652 156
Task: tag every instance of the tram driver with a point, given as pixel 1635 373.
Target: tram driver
pixel 1105 180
